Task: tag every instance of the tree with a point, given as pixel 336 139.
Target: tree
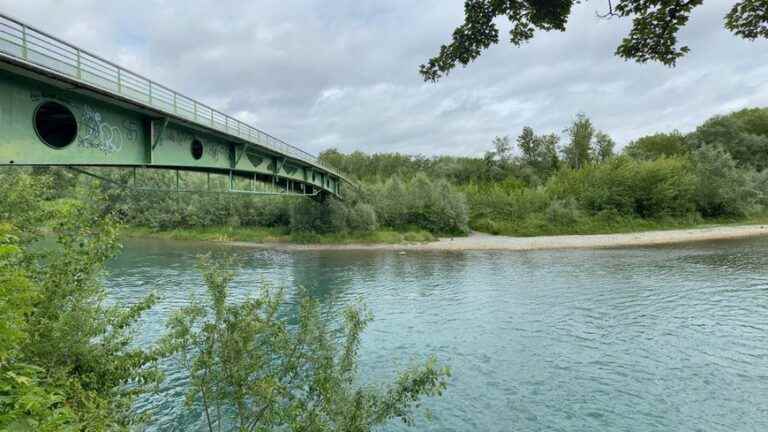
pixel 390 205
pixel 743 134
pixel 529 145
pixel 539 152
pixel 253 370
pixel 657 145
pixel 577 152
pixel 723 189
pixel 603 147
pixel 503 149
pixel 499 159
pixel 501 153
pixel 549 151
pixel 653 37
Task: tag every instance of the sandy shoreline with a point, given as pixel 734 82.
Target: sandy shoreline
pixel 480 241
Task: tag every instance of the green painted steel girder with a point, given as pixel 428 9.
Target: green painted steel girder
pixel 62 106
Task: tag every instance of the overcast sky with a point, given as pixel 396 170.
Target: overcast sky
pixel 344 73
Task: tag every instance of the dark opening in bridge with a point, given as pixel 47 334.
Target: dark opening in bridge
pixel 197 149
pixel 55 124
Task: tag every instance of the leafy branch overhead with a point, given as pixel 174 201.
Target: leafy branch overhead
pixel 653 37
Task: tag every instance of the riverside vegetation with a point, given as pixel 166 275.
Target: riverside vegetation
pixel 69 361
pixel 534 184
pixel 715 174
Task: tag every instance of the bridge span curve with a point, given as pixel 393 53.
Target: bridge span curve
pixel 61 105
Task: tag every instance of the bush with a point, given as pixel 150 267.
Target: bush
pixel 596 187
pixel 664 187
pixel 722 188
pixel 563 212
pixel 21 201
pixel 505 201
pixel 248 365
pixel 362 218
pixel 390 204
pixel 66 358
pixel 311 216
pixel 647 189
pixel 332 216
pixel 435 206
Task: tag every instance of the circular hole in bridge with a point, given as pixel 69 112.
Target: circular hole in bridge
pixel 197 149
pixel 55 124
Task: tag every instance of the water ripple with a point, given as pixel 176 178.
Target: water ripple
pixel 651 339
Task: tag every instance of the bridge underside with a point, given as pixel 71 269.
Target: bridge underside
pixel 49 121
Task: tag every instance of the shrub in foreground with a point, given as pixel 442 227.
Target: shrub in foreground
pixel 67 362
pixel 252 371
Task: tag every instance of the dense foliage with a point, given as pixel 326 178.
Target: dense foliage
pixel 535 185
pixel 657 145
pixel 69 362
pixel 653 36
pixel 66 358
pixel 743 134
pixel 419 203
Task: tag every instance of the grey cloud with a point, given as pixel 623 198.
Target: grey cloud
pixel 344 73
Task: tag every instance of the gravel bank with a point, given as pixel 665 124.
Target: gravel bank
pixel 480 241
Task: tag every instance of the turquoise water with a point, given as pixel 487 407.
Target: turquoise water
pixel 639 339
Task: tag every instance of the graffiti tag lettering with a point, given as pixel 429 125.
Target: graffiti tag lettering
pixel 97 134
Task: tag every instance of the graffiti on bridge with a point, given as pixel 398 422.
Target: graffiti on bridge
pixel 96 133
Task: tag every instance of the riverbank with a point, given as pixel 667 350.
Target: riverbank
pixel 481 241
pixel 272 236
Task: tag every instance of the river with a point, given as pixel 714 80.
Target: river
pixel 671 338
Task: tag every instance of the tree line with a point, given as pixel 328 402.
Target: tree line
pixel 578 182
pixel 574 181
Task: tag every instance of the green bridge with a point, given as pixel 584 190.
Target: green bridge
pixel 63 106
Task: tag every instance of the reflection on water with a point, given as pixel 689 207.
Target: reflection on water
pixel 646 339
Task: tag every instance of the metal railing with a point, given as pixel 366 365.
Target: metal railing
pixel 33 46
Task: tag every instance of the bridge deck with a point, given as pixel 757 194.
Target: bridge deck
pixel 33 49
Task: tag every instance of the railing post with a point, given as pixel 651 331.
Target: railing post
pixel 24 52
pixel 119 81
pixel 150 92
pixel 194 108
pixel 79 66
pixel 174 103
pixel 211 117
